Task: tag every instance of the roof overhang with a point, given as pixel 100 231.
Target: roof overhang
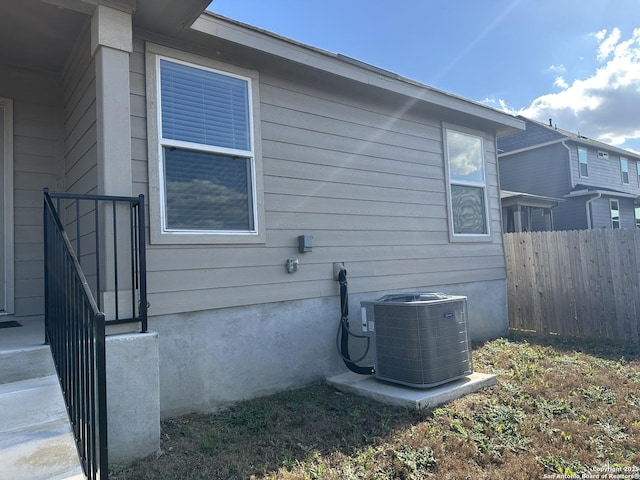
pixel 40 34
pixel 280 49
pixel 599 192
pixel 508 199
pixel 167 16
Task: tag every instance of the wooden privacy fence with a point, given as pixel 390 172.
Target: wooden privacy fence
pixel 583 283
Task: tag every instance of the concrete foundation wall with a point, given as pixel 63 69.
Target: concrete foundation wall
pixel 212 359
pixel 133 400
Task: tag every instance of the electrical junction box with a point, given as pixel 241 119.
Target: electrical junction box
pixel 420 339
pixel 305 243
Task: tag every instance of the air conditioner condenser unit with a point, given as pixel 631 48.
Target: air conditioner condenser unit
pixel 420 339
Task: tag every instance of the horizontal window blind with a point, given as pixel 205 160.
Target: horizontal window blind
pixel 205 107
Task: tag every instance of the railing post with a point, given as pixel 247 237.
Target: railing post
pixel 47 301
pixel 142 267
pixel 101 387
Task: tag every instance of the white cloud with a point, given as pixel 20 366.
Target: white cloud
pixel 560 82
pixel 604 105
pixel 500 104
pixel 608 44
pixel 557 68
pixel 600 35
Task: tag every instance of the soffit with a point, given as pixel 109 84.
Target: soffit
pixel 167 16
pixel 37 35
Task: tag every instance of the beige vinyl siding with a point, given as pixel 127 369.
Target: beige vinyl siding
pixel 139 173
pixel 80 135
pixel 36 148
pixel 366 181
pixel 80 148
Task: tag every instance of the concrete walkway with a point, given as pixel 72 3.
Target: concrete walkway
pixel 36 440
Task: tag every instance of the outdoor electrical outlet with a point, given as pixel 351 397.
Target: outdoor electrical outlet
pixel 292 265
pixel 337 268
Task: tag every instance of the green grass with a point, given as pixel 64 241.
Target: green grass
pixel 561 406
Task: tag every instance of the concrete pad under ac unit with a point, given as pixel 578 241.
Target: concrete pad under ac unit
pixel 398 395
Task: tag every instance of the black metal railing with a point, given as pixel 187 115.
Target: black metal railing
pixel 108 243
pixel 107 234
pixel 74 328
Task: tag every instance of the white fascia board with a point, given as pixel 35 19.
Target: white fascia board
pixel 532 147
pixel 608 193
pixel 279 46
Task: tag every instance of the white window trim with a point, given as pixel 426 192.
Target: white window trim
pixel 585 163
pixel 611 200
pixel 603 155
pixel 9 294
pixel 158 232
pixel 624 160
pixel 466 237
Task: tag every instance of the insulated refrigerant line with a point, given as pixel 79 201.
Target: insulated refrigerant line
pixel 344 333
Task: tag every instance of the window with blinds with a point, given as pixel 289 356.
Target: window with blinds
pixel 206 150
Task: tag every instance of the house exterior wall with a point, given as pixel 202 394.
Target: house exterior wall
pixel 543 171
pixel 604 173
pixel 570 215
pixel 225 355
pixel 80 134
pixel 367 181
pixel 37 122
pixel 601 212
pixel 368 186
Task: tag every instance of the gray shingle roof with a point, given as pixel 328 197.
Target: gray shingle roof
pixel 535 133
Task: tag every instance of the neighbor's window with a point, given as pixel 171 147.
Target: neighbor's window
pixel 582 160
pixel 637 212
pixel 467 187
pixel 207 164
pixel 624 170
pixel 615 213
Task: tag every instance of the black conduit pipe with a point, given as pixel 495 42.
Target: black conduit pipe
pixel 344 328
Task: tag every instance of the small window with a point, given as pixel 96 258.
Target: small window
pixel 637 211
pixel 603 155
pixel 614 206
pixel 583 162
pixel 624 170
pixel 467 186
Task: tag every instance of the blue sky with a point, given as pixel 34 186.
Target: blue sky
pixel 576 61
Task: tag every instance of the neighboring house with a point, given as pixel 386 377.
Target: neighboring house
pixel 599 183
pixel 242 141
pixel 524 212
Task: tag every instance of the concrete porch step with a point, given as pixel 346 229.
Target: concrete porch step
pixel 24 363
pixel 36 441
pixel 23 354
